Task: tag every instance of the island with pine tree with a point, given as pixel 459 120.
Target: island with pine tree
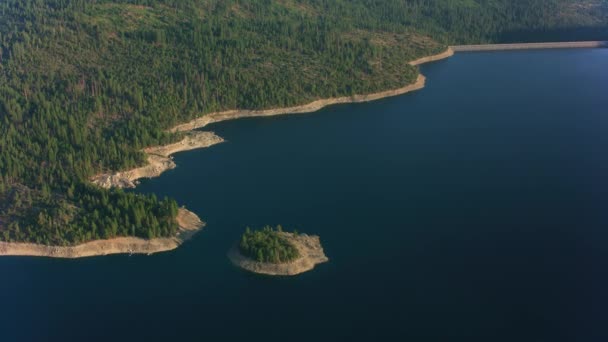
pixel 272 251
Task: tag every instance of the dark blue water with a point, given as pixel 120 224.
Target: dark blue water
pixel 473 210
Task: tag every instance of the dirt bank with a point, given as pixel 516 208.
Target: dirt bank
pixel 309 248
pixel 188 221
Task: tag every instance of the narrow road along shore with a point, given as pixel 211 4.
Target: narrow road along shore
pixel 530 46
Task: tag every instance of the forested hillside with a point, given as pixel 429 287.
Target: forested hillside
pixel 85 85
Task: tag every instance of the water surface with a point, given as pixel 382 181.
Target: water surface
pixel 473 210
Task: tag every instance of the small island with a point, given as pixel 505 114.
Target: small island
pixel 272 251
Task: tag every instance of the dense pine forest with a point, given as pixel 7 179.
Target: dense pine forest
pixel 267 245
pixel 85 85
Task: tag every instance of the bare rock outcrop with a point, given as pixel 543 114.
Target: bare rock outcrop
pixel 159 161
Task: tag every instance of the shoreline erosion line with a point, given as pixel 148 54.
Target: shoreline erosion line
pixel 315 105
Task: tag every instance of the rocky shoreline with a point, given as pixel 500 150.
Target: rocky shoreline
pixel 310 250
pixel 189 224
pixel 159 161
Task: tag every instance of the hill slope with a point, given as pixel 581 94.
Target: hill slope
pixel 84 86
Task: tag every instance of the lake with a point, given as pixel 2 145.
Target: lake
pixel 473 210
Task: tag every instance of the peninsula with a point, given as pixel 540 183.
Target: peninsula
pixel 189 224
pixel 275 252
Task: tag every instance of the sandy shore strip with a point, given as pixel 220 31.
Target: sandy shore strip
pixel 309 248
pixel 159 159
pixel 189 224
pixel 530 46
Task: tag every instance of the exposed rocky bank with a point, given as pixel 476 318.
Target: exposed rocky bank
pixel 159 161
